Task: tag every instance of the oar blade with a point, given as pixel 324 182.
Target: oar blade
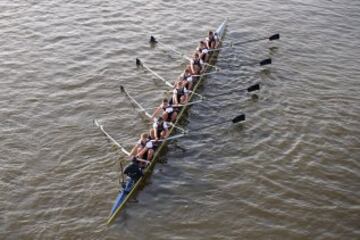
pixel 239 118
pixel 253 88
pixel 96 123
pixel 274 37
pixel 138 62
pixel 153 39
pixel 122 89
pixel 265 62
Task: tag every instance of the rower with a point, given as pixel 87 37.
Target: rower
pixel 180 93
pixel 160 129
pixel 203 51
pixel 133 171
pixel 211 41
pixel 196 64
pixel 187 76
pixel 144 148
pixel 169 111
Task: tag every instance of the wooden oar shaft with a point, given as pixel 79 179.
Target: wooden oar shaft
pixel 143 109
pixel 115 142
pixel 174 50
pixel 111 138
pixel 135 102
pixel 157 75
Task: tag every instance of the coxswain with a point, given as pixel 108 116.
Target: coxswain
pixel 203 51
pixel 196 64
pixel 169 112
pixel 144 148
pixel 134 171
pixel 159 130
pixel 180 93
pixel 211 41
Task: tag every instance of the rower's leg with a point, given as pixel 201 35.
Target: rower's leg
pixel 152 133
pixel 165 116
pixel 162 135
pixel 150 154
pixel 173 116
pixel 190 85
pixel 183 99
pixel 207 58
pixel 139 149
pixel 174 99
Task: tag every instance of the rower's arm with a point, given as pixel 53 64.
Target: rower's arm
pixel 192 67
pixel 142 152
pixel 208 44
pixel 156 112
pixel 167 133
pixel 133 151
pixel 156 133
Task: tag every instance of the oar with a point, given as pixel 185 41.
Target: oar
pixel 140 63
pixel 123 90
pixel 264 62
pixel 252 88
pixel 271 38
pixel 114 141
pixel 235 120
pixel 153 40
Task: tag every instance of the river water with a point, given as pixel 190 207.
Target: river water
pixel 291 171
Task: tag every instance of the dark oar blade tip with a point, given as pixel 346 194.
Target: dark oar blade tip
pixel 138 62
pixel 275 37
pixel 253 88
pixel 266 62
pixel 122 89
pixel 153 39
pixel 239 118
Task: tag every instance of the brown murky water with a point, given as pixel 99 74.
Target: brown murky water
pixel 291 171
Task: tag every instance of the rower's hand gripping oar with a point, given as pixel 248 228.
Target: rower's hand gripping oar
pixel 123 90
pixel 153 40
pixel 249 89
pixel 263 62
pixel 140 63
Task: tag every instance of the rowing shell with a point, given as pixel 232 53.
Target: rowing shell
pixel 132 187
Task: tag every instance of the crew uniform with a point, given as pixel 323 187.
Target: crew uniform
pixel 211 39
pixel 133 171
pixel 203 51
pixel 148 144
pixel 170 111
pixel 188 78
pixel 197 62
pixel 160 126
pixel 179 92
